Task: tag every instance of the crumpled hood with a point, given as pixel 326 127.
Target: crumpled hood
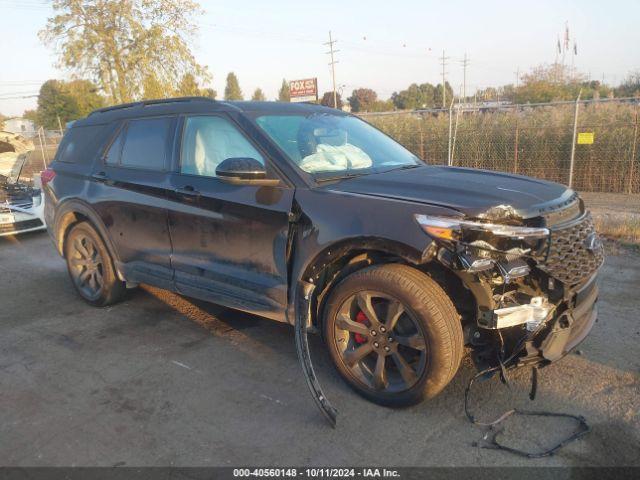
pixel 469 191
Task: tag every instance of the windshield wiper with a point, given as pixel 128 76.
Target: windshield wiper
pixel 404 167
pixel 360 174
pixel 341 177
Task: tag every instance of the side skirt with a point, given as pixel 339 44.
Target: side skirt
pixel 302 321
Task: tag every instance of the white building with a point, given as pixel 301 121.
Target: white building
pixel 20 126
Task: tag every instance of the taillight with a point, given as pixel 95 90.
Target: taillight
pixel 46 176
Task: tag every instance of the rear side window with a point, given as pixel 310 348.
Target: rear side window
pixel 80 144
pixel 141 144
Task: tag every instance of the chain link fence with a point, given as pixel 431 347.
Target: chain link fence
pixel 592 145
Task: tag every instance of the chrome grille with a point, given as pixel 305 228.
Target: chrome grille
pixel 575 252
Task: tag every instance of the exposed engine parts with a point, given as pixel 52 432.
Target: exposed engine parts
pixel 530 315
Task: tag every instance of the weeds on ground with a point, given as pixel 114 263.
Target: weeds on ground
pixel 624 231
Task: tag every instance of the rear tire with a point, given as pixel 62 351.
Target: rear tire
pixel 91 267
pixel 412 347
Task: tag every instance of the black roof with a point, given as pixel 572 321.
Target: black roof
pixel 179 105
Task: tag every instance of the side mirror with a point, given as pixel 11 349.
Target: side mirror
pixel 244 171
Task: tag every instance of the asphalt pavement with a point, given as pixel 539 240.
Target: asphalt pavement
pixel 163 380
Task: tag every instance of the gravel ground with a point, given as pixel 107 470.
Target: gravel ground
pixel 613 202
pixel 165 380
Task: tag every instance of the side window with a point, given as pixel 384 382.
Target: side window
pixel 113 155
pixel 208 141
pixel 81 144
pixel 145 143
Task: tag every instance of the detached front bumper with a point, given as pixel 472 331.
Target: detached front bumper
pixel 567 329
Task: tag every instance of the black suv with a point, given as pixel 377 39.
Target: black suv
pixel 311 216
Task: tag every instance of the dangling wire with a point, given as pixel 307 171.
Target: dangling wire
pixel 493 443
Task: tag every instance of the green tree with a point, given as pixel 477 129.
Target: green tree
pixel 415 97
pixel 209 93
pixel 437 95
pixel 630 87
pixel 31 115
pixel 382 106
pixel 122 44
pixel 327 100
pixel 284 95
pixel 54 101
pixel 153 87
pixel 232 90
pixel 86 94
pixel 188 86
pixel 362 100
pixel 258 95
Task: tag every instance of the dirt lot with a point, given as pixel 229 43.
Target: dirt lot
pixel 165 380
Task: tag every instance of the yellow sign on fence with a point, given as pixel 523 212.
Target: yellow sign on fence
pixel 585 138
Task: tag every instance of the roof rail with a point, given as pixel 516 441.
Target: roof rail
pixel 145 103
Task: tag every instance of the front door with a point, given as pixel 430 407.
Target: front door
pixel 229 241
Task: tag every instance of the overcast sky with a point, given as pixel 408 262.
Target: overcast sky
pixel 384 45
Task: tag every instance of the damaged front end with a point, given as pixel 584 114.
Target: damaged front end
pixel 21 199
pixel 533 279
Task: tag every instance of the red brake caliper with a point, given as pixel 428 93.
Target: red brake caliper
pixel 361 318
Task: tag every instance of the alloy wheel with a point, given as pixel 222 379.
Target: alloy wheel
pixel 86 266
pixel 380 342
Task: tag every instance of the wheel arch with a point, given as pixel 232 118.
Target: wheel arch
pixel 341 258
pixel 71 212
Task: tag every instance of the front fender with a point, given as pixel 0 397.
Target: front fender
pixel 333 224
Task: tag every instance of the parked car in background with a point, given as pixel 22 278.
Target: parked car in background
pixel 311 216
pixel 21 199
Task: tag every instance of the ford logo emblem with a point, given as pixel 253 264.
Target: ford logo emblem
pixel 592 242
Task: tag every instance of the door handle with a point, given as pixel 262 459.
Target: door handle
pixel 100 176
pixel 187 190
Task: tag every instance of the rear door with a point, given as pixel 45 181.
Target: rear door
pixel 130 191
pixel 229 241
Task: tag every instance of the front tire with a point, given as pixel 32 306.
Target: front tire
pixel 91 268
pixel 393 334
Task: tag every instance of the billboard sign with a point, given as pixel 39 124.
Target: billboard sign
pixel 305 90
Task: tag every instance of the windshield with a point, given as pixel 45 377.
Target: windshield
pixel 327 145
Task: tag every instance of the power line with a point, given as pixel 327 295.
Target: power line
pixel 443 61
pixel 333 62
pixel 19 97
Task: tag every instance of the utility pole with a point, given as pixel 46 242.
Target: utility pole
pixel 443 61
pixel 333 62
pixel 60 125
pixel 464 63
pixel 573 143
pixel 515 93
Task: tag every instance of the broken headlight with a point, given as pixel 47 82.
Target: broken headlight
pixel 454 229
pixel 481 246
